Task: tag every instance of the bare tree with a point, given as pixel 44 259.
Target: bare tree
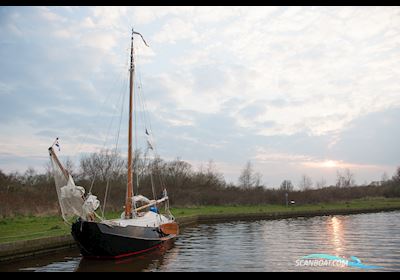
pixel 384 178
pixel 345 179
pixel 349 176
pixel 157 166
pixel 305 182
pixel 286 186
pixel 102 166
pixel 213 176
pixel 321 183
pixel 69 166
pixel 29 177
pixel 3 176
pixel 248 178
pixel 245 176
pixel 211 167
pixel 179 167
pixel 396 176
pixel 138 162
pixel 256 180
pixel 48 171
pixel 178 172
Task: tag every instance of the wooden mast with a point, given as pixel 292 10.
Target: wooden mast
pixel 129 192
pixel 57 161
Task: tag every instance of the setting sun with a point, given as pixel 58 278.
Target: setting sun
pixel 330 164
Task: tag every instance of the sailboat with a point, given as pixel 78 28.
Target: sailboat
pixel 141 226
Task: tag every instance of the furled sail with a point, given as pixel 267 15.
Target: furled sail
pixel 71 197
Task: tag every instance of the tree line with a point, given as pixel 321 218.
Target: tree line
pixel 33 193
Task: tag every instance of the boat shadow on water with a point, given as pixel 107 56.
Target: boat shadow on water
pixel 148 261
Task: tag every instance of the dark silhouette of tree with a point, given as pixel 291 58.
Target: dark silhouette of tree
pixel 248 179
pixel 103 165
pixel 305 182
pixel 320 184
pixel 286 186
pixel 69 166
pixel 384 178
pixel 245 176
pixel 31 193
pixel 396 176
pixel 344 179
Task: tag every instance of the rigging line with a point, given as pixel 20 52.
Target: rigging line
pixel 105 198
pixel 122 93
pixel 88 131
pixel 146 111
pixel 152 183
pixel 107 134
pixel 154 155
pixel 91 185
pixel 147 170
pixel 138 110
pixel 123 89
pixel 147 124
pixel 141 97
pixel 116 148
pixel 100 218
pixel 147 120
pixel 123 83
pixel 144 115
pixel 140 94
pixel 115 80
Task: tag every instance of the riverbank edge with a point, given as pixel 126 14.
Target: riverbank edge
pixel 34 247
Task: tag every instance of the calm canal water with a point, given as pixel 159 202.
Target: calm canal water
pixel 253 246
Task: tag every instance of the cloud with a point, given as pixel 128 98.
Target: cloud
pixel 174 30
pixel 50 16
pixel 288 87
pixel 263 155
pixel 371 139
pixel 323 70
pixel 108 17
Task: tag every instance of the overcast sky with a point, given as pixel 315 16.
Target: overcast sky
pixel 295 90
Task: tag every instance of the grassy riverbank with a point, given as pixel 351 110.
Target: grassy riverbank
pixel 26 228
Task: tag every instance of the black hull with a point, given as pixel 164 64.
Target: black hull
pixel 97 240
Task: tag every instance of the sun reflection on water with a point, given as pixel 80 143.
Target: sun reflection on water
pixel 336 231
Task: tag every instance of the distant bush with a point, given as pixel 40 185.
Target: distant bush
pixel 34 194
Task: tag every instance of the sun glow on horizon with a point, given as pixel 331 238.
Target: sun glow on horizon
pixel 326 164
pixel 330 164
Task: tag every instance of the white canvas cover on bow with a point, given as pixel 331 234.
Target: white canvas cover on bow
pixel 70 197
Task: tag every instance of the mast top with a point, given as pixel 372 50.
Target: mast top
pixel 137 33
pixel 131 68
pixel 144 41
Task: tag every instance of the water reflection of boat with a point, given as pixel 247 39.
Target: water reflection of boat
pixel 145 262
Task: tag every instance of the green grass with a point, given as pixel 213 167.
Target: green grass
pixel 26 228
pixel 368 203
pixel 23 228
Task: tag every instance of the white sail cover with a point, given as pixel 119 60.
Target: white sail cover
pixel 140 198
pixel 70 196
pixel 91 204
